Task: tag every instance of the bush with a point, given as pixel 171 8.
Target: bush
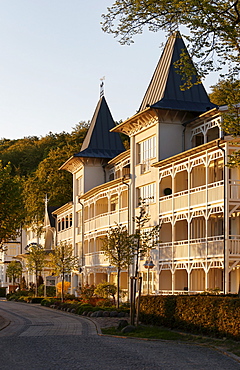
pixel 50 291
pixel 3 291
pixel 214 315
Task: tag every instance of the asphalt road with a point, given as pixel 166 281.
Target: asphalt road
pixel 41 338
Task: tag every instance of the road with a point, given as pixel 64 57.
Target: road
pixel 41 338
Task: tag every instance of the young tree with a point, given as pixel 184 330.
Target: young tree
pixel 145 239
pixel 117 247
pixel 14 271
pixel 36 260
pixel 63 261
pixel 11 207
pixel 214 26
pixel 106 290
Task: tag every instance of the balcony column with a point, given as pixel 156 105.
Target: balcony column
pixel 173 281
pixel 206 223
pixel 226 217
pixel 173 228
pixel 189 222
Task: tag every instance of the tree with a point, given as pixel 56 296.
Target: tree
pixel 214 26
pixel 36 260
pixel 117 247
pixel 11 207
pixel 145 239
pixel 225 92
pixel 63 262
pixel 105 290
pixel 14 271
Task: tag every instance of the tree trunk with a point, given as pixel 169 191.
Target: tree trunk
pixel 36 289
pixel 62 293
pixel 118 286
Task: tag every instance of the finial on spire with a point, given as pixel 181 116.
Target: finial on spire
pixel 102 87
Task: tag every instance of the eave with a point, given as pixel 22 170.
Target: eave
pixel 64 208
pixel 72 164
pixel 187 153
pixel 99 188
pixel 136 122
pixel 120 157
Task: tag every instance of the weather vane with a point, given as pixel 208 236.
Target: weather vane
pixel 102 86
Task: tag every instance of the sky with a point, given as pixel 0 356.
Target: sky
pixel 53 56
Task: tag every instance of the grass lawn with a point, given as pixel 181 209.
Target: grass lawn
pixel 155 332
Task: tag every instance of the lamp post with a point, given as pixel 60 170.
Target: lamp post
pixel 148 265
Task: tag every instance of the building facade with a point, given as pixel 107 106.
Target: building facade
pixel 176 164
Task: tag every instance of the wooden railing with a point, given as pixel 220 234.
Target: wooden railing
pixel 194 248
pixel 195 196
pixel 106 220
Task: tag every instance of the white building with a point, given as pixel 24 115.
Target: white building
pixel 177 163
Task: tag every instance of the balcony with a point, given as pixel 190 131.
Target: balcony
pixel 192 197
pixel 96 259
pixel 194 249
pixel 105 220
pixel 65 234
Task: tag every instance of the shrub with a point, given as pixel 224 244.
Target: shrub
pixel 3 291
pixel 214 315
pixel 50 291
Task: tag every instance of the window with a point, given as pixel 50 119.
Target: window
pixel 147 149
pixel 80 185
pixel 148 193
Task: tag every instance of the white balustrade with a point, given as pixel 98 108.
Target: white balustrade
pixel 199 195
pixel 234 189
pixel 96 259
pixel 196 248
pixel 234 245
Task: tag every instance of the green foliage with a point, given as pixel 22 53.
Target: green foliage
pixel 34 167
pixel 14 270
pixel 63 261
pixel 225 92
pixel 3 291
pixel 117 247
pixel 11 208
pixel 213 25
pixel 87 291
pixel 50 291
pixel 36 259
pixel 214 315
pixel 144 239
pixel 106 290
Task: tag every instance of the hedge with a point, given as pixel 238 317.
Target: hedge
pixel 3 292
pixel 211 315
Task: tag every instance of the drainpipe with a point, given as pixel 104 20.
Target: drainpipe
pixel 82 205
pixel 128 185
pixel 224 217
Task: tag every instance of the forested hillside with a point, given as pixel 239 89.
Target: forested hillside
pixel 35 162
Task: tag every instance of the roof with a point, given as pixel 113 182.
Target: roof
pixel 99 141
pixel 164 90
pixel 50 210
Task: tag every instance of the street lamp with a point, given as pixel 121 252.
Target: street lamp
pixel 148 265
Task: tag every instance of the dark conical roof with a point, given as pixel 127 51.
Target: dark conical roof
pixel 164 88
pixel 99 141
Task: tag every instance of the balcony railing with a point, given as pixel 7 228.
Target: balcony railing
pixel 194 248
pixel 193 197
pixel 96 259
pixel 106 220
